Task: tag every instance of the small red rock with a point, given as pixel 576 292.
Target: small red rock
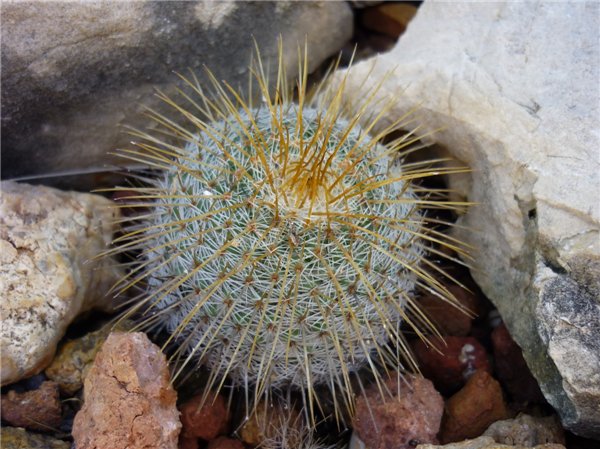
pixel 225 443
pixel 390 19
pixel 470 411
pixel 128 400
pixel 448 318
pixel 412 415
pixel 188 442
pixel 449 363
pixel 206 420
pixel 512 370
pixel 36 409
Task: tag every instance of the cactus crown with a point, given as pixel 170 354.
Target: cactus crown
pixel 282 242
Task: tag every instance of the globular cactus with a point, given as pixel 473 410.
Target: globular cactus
pixel 282 242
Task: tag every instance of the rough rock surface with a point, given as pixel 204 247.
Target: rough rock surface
pixel 526 430
pixel 204 418
pixel 449 363
pixel 486 443
pixel 48 239
pixel 36 409
pixel 470 412
pixel 522 111
pixel 18 438
pixel 414 413
pixel 128 400
pixel 225 443
pixel 72 73
pixel 447 318
pixel 512 370
pixel 75 357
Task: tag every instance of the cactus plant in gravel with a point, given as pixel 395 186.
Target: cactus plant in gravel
pixel 280 242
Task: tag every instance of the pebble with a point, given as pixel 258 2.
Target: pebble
pixel 447 318
pixel 225 443
pixel 74 358
pixel 18 438
pixel 512 370
pixel 412 415
pixel 486 443
pixel 526 430
pixel 469 412
pixel 128 400
pixel 390 19
pixel 38 409
pixel 449 363
pixel 206 419
pixel 188 442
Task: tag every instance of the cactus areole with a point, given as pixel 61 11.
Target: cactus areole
pixel 282 241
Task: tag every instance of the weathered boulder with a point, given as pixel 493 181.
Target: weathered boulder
pixel 521 110
pixel 49 273
pixel 73 73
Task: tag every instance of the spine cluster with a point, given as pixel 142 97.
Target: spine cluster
pixel 279 244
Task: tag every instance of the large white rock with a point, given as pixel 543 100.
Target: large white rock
pixel 74 73
pixel 515 85
pixel 48 274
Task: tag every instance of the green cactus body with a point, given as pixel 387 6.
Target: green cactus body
pixel 267 286
pixel 283 242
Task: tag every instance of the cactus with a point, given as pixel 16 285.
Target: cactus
pixel 282 242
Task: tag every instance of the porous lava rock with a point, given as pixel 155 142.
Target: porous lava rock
pixel 38 409
pixel 205 417
pixel 225 443
pixel 469 412
pixel 412 415
pixel 75 357
pixel 128 400
pixel 448 318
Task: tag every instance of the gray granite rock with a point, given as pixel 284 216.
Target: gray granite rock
pixel 515 88
pixel 73 73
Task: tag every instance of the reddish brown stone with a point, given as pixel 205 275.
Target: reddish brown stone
pixel 412 414
pixel 128 400
pixel 390 19
pixel 470 411
pixel 225 443
pixel 205 418
pixel 449 363
pixel 36 409
pixel 512 370
pixel 188 442
pixel 448 318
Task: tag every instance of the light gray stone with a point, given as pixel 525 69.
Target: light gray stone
pixel 486 443
pixel 75 73
pixel 48 274
pixel 527 430
pixel 515 88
